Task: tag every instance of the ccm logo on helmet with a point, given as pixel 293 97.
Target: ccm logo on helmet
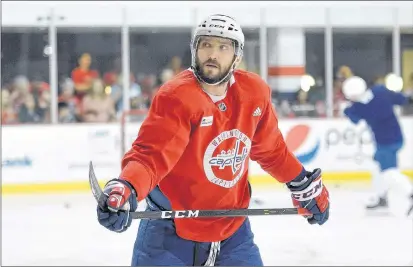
pixel 216 26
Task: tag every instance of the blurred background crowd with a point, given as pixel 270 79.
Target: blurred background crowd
pixel 89 71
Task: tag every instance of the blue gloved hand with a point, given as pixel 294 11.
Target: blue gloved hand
pixel 309 192
pixel 120 200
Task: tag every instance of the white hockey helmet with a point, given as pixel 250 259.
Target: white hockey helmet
pixel 354 87
pixel 218 25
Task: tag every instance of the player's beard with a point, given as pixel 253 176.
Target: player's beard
pixel 207 76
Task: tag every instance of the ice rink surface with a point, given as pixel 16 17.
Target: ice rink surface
pixel 63 230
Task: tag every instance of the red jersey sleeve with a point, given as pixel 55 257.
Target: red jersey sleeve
pixel 270 150
pixel 161 141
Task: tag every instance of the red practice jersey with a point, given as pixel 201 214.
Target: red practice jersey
pixel 198 150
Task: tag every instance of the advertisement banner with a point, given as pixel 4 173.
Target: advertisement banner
pixel 28 154
pixel 337 145
pixel 61 153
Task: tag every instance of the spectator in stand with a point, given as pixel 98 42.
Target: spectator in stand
pixel 111 77
pixel 114 80
pixel 28 112
pixel 19 92
pixel 176 65
pixel 166 75
pixel 302 106
pixel 285 110
pixel 41 95
pixel 65 115
pixel 97 106
pixel 135 93
pixel 83 76
pixel 69 103
pixel 339 101
pixel 320 108
pixel 8 114
pixel 148 85
pixel 152 87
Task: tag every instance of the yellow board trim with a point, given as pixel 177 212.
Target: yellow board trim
pixel 256 180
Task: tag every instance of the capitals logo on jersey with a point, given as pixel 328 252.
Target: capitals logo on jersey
pixel 225 158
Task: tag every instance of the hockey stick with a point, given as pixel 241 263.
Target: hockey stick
pixel 172 214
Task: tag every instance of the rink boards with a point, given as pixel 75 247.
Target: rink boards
pixel 47 158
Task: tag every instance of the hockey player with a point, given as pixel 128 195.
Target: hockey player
pixel 192 152
pixel 376 107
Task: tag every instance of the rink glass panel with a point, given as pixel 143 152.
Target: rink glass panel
pixel 306 49
pixel 362 52
pixel 25 75
pixel 105 49
pixel 151 49
pixel 368 53
pixel 25 51
pixel 251 57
